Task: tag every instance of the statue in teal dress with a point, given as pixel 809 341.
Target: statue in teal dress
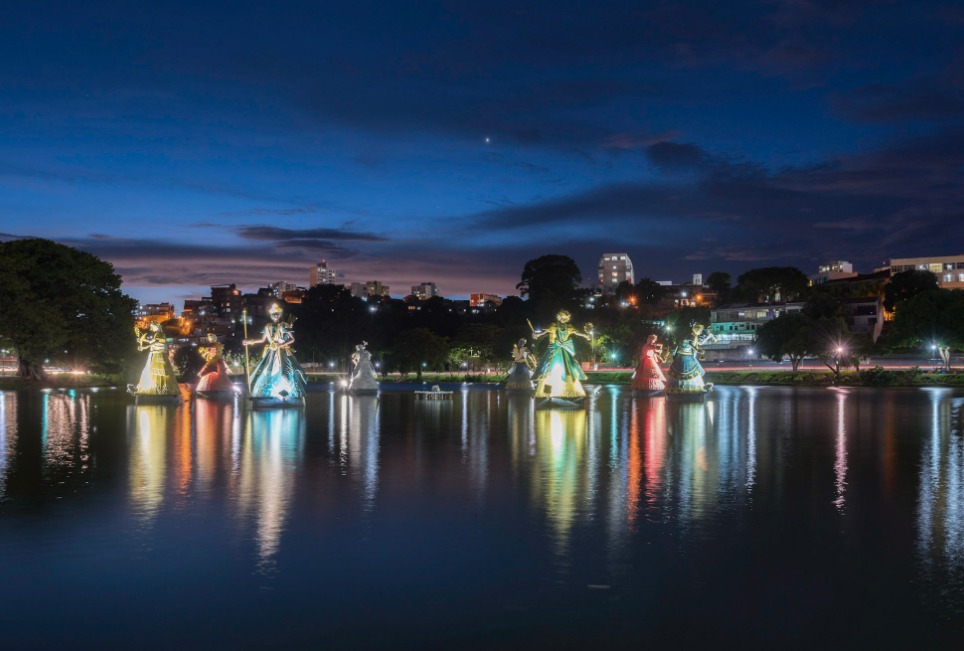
pixel 278 375
pixel 686 372
pixel 559 374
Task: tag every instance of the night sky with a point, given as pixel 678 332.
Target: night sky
pixel 195 143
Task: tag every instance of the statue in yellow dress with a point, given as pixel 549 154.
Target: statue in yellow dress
pixel 157 378
pixel 559 374
pixel 278 376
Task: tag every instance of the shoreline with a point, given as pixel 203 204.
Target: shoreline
pixel 868 377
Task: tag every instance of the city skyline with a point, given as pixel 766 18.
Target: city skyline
pixel 452 142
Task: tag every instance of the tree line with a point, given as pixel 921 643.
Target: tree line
pixel 66 306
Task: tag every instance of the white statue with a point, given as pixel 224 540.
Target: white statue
pixel 363 376
pixel 520 375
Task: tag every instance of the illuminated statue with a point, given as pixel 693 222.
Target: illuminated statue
pixel 214 374
pixel 157 378
pixel 558 374
pixel 363 377
pixel 278 376
pixel 648 376
pixel 944 352
pixel 686 372
pixel 520 375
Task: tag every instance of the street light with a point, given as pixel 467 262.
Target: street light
pixel 836 374
pixel 592 348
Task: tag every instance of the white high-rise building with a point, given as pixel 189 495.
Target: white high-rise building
pixel 614 268
pixel 948 269
pixel 425 291
pixel 320 274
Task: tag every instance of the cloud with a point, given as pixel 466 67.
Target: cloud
pixel 672 155
pixel 275 233
pixel 926 99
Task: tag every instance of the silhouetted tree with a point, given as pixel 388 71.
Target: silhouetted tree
pixel 770 285
pixel 649 291
pixel 63 304
pixel 550 283
pixel 907 284
pixel 931 318
pixel 416 346
pixel 789 335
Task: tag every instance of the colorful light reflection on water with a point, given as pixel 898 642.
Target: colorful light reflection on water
pixel 763 516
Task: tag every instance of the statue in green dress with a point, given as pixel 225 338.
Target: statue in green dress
pixel 559 374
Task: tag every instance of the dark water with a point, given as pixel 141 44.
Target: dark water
pixel 767 517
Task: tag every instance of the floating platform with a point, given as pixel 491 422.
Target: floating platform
pixel 217 395
pixel 275 403
pixel 517 391
pixel 156 399
pixel 435 394
pixel 644 393
pixel 688 397
pixel 561 403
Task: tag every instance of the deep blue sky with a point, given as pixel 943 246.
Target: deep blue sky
pixel 193 143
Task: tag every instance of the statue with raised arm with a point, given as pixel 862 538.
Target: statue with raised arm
pixel 686 372
pixel 363 376
pixel 559 374
pixel 520 375
pixel 213 377
pixel 278 376
pixel 157 378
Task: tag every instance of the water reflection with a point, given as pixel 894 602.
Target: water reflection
pixel 560 480
pixel 840 451
pixel 8 435
pixel 599 492
pixel 150 427
pixel 941 495
pixel 358 434
pixel 270 454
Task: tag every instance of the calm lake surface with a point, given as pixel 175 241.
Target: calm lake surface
pixel 767 517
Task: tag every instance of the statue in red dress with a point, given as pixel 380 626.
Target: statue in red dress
pixel 648 376
pixel 214 374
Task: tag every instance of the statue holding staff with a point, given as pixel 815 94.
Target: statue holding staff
pixel 278 375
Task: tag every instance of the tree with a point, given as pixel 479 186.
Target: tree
pixel 330 322
pixel 478 341
pixel 418 346
pixel 906 285
pixel 63 304
pixel 771 285
pixel 932 318
pixel 550 282
pixel 787 335
pixel 719 282
pixel 649 291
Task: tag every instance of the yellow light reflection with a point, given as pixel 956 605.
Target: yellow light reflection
pixel 148 464
pixel 560 484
